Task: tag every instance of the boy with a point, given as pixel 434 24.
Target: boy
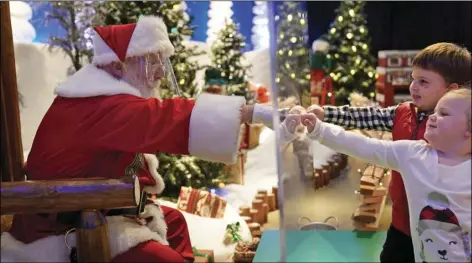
pixel 436 174
pixel 436 70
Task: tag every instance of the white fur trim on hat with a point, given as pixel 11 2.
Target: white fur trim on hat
pixel 153 164
pixel 320 45
pixel 215 127
pixel 149 36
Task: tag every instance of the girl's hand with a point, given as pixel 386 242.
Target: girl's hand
pixel 309 120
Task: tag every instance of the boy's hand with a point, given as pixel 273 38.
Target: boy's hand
pixel 317 110
pixel 292 121
pixel 309 120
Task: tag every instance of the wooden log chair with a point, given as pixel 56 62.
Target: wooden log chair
pixel 19 196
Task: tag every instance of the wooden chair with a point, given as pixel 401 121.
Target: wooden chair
pixel 19 196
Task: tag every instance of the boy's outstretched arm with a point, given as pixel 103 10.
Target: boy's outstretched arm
pixel 363 118
pixel 378 152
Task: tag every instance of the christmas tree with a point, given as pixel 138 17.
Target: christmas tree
pixel 293 71
pixel 227 57
pixel 76 19
pixel 353 66
pixel 176 170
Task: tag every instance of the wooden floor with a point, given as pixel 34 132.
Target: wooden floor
pixel 337 199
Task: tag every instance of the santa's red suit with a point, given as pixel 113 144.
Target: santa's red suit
pixel 99 126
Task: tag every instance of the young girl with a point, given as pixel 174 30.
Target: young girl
pixel 437 174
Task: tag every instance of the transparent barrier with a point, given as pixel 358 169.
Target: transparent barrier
pixel 318 187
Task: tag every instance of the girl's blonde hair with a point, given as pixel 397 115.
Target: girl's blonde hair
pixel 465 92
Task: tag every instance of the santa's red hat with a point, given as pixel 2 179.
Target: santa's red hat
pixel 118 42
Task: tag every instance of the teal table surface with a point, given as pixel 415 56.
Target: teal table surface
pixel 322 246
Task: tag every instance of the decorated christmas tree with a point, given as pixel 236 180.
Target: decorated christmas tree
pixel 76 19
pixel 353 66
pixel 293 71
pixel 176 170
pixel 227 57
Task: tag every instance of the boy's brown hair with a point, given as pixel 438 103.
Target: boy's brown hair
pixel 449 60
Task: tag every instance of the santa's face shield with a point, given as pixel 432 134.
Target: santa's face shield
pixel 149 72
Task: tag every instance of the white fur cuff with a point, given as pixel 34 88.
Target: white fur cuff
pixel 153 164
pixel 215 126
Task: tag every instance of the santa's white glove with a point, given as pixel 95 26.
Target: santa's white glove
pixel 263 114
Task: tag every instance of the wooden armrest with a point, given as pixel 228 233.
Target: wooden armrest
pixel 31 197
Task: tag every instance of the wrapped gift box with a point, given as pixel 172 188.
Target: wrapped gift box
pixel 201 203
pixel 236 171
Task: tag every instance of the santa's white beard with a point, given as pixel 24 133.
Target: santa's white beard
pixel 148 87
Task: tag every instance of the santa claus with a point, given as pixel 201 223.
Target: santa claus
pixel 105 122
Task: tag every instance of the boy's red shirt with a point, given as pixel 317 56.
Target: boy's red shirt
pixel 406 126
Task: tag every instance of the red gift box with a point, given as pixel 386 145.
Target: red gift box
pixel 201 203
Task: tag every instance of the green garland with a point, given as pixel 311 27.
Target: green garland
pixel 233 233
pixel 207 256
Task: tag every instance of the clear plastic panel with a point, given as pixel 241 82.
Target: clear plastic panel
pixel 305 203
